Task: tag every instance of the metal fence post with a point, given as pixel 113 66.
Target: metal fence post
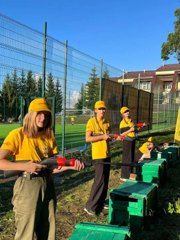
pixel 44 60
pixel 64 97
pixel 100 80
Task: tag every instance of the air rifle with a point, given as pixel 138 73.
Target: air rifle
pixel 51 163
pixel 59 161
pixel 137 126
pixel 111 135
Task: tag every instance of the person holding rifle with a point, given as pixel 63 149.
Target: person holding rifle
pixel 34 200
pixel 97 132
pixel 128 130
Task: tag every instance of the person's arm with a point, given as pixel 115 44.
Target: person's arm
pixel 91 138
pixel 77 166
pixel 6 165
pixel 125 131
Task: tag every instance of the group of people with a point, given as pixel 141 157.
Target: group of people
pixel 34 198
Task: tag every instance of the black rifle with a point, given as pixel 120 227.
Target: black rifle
pixel 51 163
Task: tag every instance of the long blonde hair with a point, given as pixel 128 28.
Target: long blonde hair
pixel 30 128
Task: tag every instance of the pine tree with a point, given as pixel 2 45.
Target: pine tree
pixel 92 89
pixel 106 74
pixel 39 86
pixel 22 84
pixel 15 100
pixel 30 85
pixel 58 94
pixel 80 103
pixel 50 89
pixel 8 95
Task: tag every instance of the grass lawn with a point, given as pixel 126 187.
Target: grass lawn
pixel 75 134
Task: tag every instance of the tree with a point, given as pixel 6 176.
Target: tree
pixel 172 46
pixel 22 84
pixel 15 100
pixel 58 94
pixel 39 86
pixel 30 85
pixel 80 103
pixel 106 74
pixel 92 89
pixel 50 89
pixel 8 95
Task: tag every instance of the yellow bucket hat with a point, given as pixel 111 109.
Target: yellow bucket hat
pixel 100 104
pixel 38 105
pixel 124 109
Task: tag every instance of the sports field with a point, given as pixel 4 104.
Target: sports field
pixel 74 134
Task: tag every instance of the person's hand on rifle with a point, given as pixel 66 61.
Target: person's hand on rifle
pixel 33 167
pixel 106 137
pixel 120 137
pixel 138 126
pixel 76 165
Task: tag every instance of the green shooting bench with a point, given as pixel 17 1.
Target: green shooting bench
pixel 132 204
pixel 152 171
pixel 92 231
pixel 171 153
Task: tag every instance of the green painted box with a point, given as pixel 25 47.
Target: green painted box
pixel 132 203
pixel 152 171
pixel 92 231
pixel 172 154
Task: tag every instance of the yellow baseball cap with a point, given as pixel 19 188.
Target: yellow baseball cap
pixel 38 105
pixel 100 104
pixel 123 110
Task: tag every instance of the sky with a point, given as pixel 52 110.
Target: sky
pixel 126 34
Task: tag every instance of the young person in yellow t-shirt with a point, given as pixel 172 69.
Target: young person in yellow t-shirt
pixel 97 130
pixel 144 151
pixel 34 197
pixel 128 131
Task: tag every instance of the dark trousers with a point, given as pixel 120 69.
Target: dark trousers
pixel 100 185
pixel 127 157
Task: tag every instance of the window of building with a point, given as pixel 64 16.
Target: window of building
pixel 145 86
pixel 167 86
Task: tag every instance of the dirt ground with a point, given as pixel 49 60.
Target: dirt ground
pixel 71 205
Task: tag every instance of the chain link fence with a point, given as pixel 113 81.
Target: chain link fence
pixel 43 63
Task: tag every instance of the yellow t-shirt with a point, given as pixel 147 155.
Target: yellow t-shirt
pixel 24 148
pixel 144 148
pixel 177 130
pixel 125 125
pixel 100 149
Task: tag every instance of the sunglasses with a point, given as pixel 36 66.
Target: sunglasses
pixel 101 109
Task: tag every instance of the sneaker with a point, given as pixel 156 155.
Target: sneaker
pixel 90 212
pixel 106 206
